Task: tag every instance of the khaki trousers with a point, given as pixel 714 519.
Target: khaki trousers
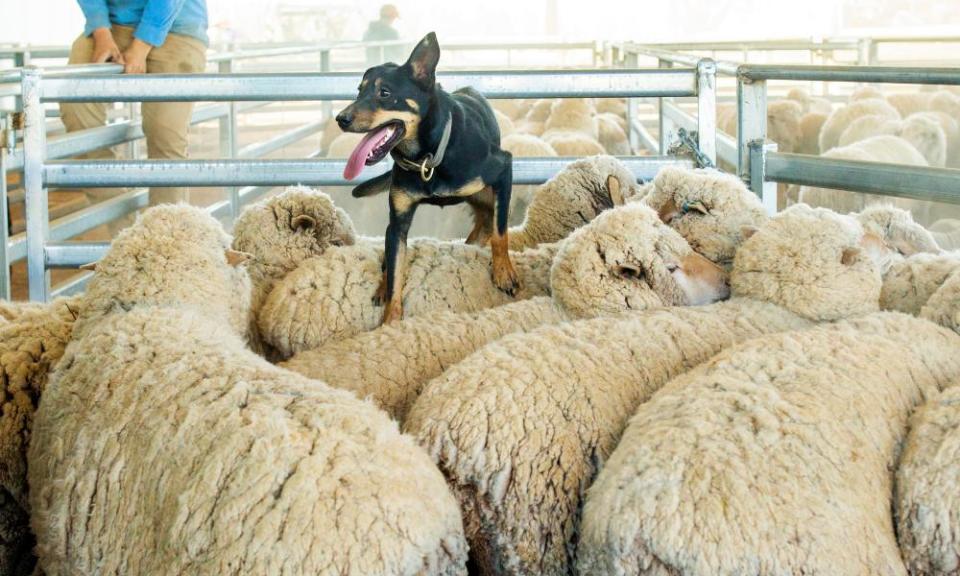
pixel 165 124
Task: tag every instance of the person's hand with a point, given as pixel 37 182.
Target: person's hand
pixel 105 48
pixel 135 57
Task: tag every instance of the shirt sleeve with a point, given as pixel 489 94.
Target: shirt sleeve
pixel 96 14
pixel 158 17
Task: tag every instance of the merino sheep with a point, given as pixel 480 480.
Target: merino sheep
pixel 615 106
pixel 810 104
pixel 30 347
pixel 890 149
pixel 783 123
pixel 11 310
pixel 898 231
pixel 504 123
pixel 869 126
pixel 527 145
pixel 626 259
pixel 866 92
pixel 910 102
pixel 573 198
pixel 184 452
pixel 810 125
pixel 909 283
pixel 612 137
pixel 841 118
pixel 922 130
pixel 708 208
pixel 572 115
pixel 575 144
pixel 535 118
pixel 512 109
pixel 521 426
pixel 772 458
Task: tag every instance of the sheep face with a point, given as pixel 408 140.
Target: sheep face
pixel 627 259
pixel 174 255
pixel 291 227
pixel 707 208
pixel 812 262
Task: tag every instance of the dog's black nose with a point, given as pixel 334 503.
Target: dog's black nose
pixel 344 119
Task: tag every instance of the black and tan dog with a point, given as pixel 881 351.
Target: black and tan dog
pixel 446 150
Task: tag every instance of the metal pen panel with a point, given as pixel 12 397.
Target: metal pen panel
pixel 751 120
pixel 876 74
pixel 916 182
pixel 343 86
pixel 707 109
pixel 38 220
pixel 239 172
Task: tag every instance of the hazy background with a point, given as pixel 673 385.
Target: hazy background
pixel 59 21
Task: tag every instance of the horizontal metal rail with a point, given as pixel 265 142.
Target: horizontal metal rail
pixel 915 182
pixel 127 173
pixel 726 144
pixel 725 67
pixel 343 86
pixel 876 74
pixel 13 75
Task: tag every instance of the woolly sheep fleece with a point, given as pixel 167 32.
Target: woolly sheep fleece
pixel 841 118
pixel 521 426
pixel 772 458
pixel 593 274
pixel 225 464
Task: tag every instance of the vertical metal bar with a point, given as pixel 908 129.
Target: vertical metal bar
pixel 707 108
pixel 751 120
pixel 6 146
pixel 630 60
pixel 667 126
pixel 19 60
pixel 228 139
pixel 34 152
pixel 864 49
pixel 326 108
pixel 767 191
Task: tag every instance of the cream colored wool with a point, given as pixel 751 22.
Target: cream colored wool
pixel 572 115
pixel 898 231
pixel 182 452
pixel 783 123
pixel 810 104
pixel 841 118
pixel 504 123
pixel 521 426
pixel 773 458
pixel 708 208
pixel 512 109
pixel 573 144
pixel 868 126
pixel 866 92
pixel 11 310
pixel 888 149
pixel 343 145
pixel 540 110
pixel 810 125
pixel 526 145
pixel 910 102
pixel 612 137
pixel 924 130
pixel 910 282
pixel 571 199
pixel 616 263
pixel 615 106
pixel 330 297
pixel 30 346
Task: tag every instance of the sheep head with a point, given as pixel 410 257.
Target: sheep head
pixel 708 208
pixel 812 262
pixel 627 259
pixel 174 255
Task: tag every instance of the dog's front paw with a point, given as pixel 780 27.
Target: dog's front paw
pixel 380 296
pixel 505 277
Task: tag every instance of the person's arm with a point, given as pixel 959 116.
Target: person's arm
pixel 155 23
pixel 98 26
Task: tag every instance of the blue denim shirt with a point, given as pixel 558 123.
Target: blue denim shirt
pixel 152 19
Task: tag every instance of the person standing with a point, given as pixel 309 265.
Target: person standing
pixel 382 30
pixel 146 37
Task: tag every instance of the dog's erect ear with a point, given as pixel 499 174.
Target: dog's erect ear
pixel 423 61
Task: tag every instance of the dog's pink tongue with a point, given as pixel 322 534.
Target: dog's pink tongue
pixel 359 155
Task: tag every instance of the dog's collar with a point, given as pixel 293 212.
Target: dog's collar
pixel 426 166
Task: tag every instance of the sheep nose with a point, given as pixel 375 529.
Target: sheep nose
pixel 344 119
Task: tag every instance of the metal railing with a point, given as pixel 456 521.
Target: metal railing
pixel 761 166
pixel 44 253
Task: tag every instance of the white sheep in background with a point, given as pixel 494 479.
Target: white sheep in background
pixel 521 426
pixel 615 106
pixel 910 282
pixel 572 115
pixel 898 232
pixel 612 136
pixel 187 453
pixel 504 123
pixel 783 123
pixel 811 124
pixel 841 118
pixel 865 92
pixel 596 272
pixel 536 116
pixel 810 104
pixel 908 103
pixel 888 149
pixel 527 145
pixel 512 109
pixel 773 458
pixel 922 130
pixel 574 144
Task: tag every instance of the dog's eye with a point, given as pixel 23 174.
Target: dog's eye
pixel 384 92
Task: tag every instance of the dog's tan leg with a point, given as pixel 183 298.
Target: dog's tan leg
pixel 394 307
pixel 504 274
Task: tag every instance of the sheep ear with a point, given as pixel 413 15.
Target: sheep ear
pixel 236 258
pixel 303 222
pixel 613 187
pixel 668 211
pixel 92 267
pixel 424 59
pixel 628 270
pixel 849 256
pixel 748 231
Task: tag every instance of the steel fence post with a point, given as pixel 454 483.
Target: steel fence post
pixel 228 139
pixel 707 108
pixel 34 151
